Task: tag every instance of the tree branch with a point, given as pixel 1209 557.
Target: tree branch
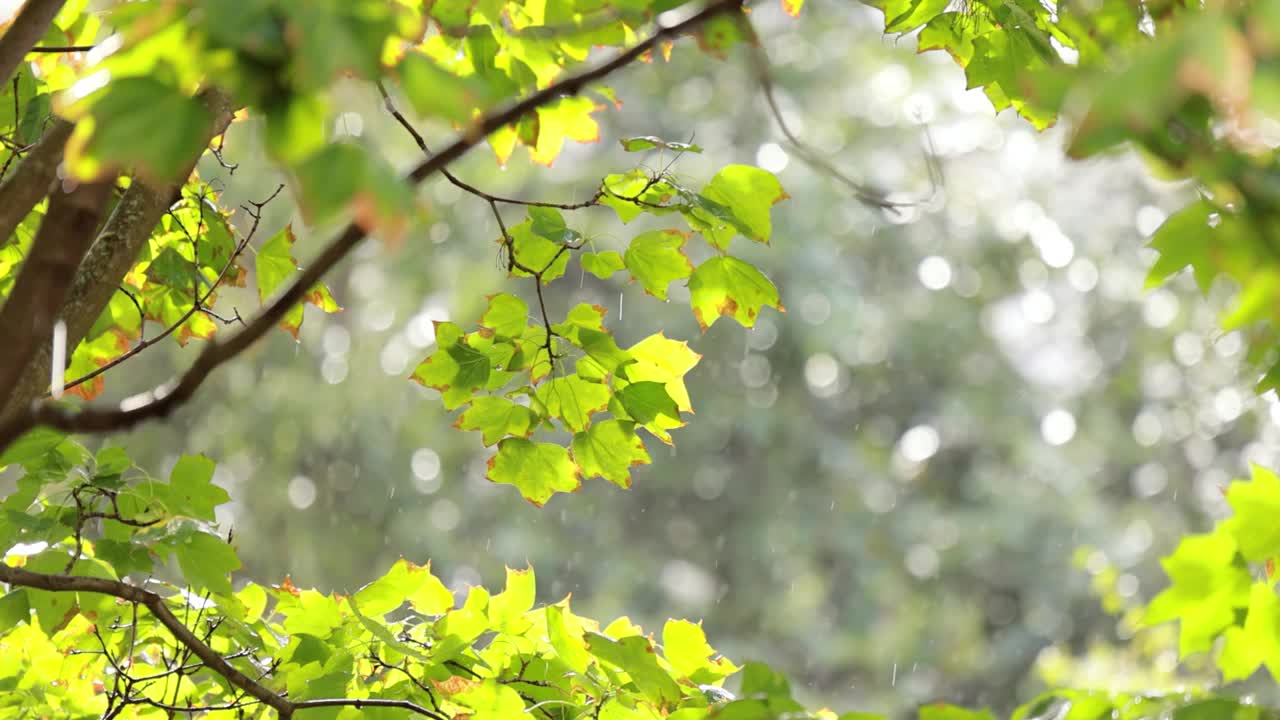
pixel 27 29
pixel 170 396
pixel 158 608
pixel 361 703
pixel 109 259
pixel 32 177
pixel 27 317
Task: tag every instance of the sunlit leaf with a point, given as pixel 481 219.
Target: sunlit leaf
pixel 729 287
pixel 603 264
pixel 573 400
pixel 538 470
pixel 497 418
pixel 655 258
pixel 635 656
pixel 649 142
pixel 1208 585
pixel 141 123
pixel 609 450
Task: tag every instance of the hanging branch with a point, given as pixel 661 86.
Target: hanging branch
pixel 172 395
pixel 811 157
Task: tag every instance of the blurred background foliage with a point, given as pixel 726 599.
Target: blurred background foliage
pixel 944 473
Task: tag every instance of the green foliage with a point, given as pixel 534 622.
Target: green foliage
pixel 1180 84
pixel 555 394
pixel 400 639
pixel 1217 594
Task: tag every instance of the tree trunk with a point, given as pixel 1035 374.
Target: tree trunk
pixel 27 29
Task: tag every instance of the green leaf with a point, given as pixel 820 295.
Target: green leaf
pixel 568 119
pixel 436 92
pixel 406 582
pixel 719 35
pixel 296 128
pixel 564 630
pixel 915 14
pixel 604 357
pixel 1208 584
pixel 729 287
pixel 507 609
pixel 661 359
pixel 582 316
pixel 609 450
pixel 507 316
pixel 685 646
pixel 309 613
pixel 656 259
pixel 32 445
pixel 942 711
pixel 649 142
pixel 953 32
pixel 573 400
pixel 206 560
pixel 458 628
pixel 141 123
pixel 1256 505
pixel 455 369
pixel 14 609
pixel 1194 236
pixel 453 16
pixel 192 492
pixel 112 461
pixel 633 193
pixel 759 681
pixel 538 470
pixel 275 265
pixel 171 268
pixel 497 418
pixel 538 252
pixel 646 401
pixel 490 700
pixel 602 264
pixel 636 657
pixel 737 199
pixel 339 40
pixel 1258 642
pixel 384 633
pixel 343 176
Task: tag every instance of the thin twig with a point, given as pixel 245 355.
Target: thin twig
pixel 60 48
pixel 467 187
pixel 812 157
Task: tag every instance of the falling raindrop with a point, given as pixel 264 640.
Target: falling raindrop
pixel 58 364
